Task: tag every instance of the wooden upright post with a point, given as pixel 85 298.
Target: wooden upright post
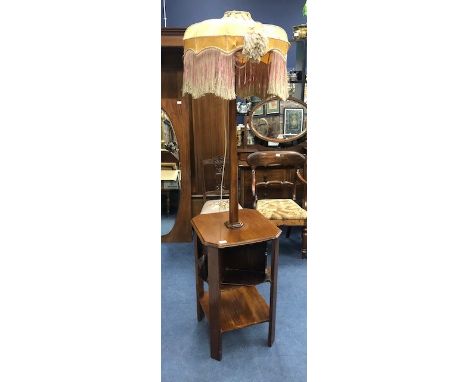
pixel 232 142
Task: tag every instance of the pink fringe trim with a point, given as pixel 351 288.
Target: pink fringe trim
pixel 278 77
pixel 209 72
pixel 214 72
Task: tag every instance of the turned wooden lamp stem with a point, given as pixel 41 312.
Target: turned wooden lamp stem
pixel 232 142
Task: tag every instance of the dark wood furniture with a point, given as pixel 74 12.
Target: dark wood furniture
pixel 232 300
pixel 245 174
pixel 179 111
pixel 262 143
pixel 278 192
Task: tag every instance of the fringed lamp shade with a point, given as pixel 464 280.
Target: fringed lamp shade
pixel 235 56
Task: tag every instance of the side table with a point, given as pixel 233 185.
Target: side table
pixel 234 303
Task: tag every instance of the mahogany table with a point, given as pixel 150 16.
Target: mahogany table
pixel 232 301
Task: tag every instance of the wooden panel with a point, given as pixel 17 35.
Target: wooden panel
pixel 240 307
pixel 273 291
pixel 209 121
pixel 171 84
pixel 172 37
pixel 244 264
pixel 212 308
pixel 171 72
pixel 197 205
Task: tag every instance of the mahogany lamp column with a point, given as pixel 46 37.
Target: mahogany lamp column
pixel 232 141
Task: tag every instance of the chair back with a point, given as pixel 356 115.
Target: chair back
pixel 282 167
pixel 212 170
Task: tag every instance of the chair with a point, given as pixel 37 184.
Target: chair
pixel 283 209
pixel 212 170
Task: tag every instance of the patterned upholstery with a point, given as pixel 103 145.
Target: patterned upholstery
pixel 281 209
pixel 212 206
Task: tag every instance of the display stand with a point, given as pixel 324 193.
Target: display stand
pixel 231 307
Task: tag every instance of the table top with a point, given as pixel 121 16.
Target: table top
pixel 212 231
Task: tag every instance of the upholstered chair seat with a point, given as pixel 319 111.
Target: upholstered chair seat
pixel 218 205
pixel 287 167
pixel 281 209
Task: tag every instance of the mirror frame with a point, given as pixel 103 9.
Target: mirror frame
pixel 283 140
pixel 178 115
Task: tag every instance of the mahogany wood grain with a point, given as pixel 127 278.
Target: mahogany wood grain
pixel 199 290
pixel 229 307
pixel 284 159
pixel 273 292
pixel 209 127
pixel 172 37
pixel 234 222
pixel 244 264
pixel 214 300
pixel 211 230
pixel 240 307
pixel 197 205
pixel 245 150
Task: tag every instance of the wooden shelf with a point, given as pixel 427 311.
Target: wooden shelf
pixel 245 277
pixel 240 307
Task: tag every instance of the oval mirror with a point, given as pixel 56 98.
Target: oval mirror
pixel 276 120
pixel 170 174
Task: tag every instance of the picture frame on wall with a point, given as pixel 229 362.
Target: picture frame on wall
pixel 273 107
pixel 293 121
pixel 260 111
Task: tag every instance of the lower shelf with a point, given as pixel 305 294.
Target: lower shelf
pixel 240 307
pixel 245 277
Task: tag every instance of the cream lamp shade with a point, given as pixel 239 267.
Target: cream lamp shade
pixel 235 56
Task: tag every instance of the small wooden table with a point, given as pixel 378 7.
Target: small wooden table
pixel 231 307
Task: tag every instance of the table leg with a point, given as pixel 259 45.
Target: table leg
pixel 198 280
pixel 214 303
pixel 273 288
pixel 168 202
pixel 304 243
